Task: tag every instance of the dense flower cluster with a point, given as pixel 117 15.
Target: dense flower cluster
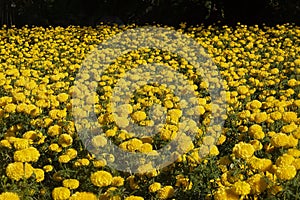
pixel 257 156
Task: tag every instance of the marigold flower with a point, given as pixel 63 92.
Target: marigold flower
pixel 165 192
pixel 285 159
pixel 139 116
pixel 181 181
pixel 99 163
pixel 39 174
pixel 65 140
pixel 101 178
pixel 289 128
pixel 61 193
pixel 289 117
pixel 241 188
pixel 117 181
pixel 83 196
pixel 48 168
pixel 260 117
pixel 261 164
pixel 134 198
pixel 257 183
pixel 279 140
pixel 243 150
pixel 72 153
pixel 62 97
pixel 18 170
pixel 71 183
pixel 64 159
pixel 30 154
pixel 286 172
pixel 5 143
pixel 154 187
pixel 54 130
pixel 55 147
pixel 9 195
pixel 10 108
pixel 225 194
pixel 242 90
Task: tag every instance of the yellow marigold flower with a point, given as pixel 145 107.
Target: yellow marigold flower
pixel 225 194
pixel 10 108
pixel 296 132
pixel 256 132
pixel 286 172
pixel 174 115
pixel 221 139
pixel 117 181
pixel 101 178
pixel 47 121
pixel 99 163
pixel 280 140
pixel 39 174
pixel 165 192
pixel 61 193
pixel 276 115
pixel 257 183
pixel 168 104
pixel 145 148
pixel 154 187
pixel 55 147
pixel 289 128
pixel 294 152
pixel 131 145
pixel 99 141
pixel 83 196
pixel 214 151
pixel 241 188
pixel 18 170
pixel 256 144
pixel 296 163
pixel 64 159
pixel 72 153
pixel 242 90
pixel 71 183
pixel 48 168
pixel 166 134
pixel 62 97
pixel 5 143
pixel 243 150
pixel 255 104
pixel 261 164
pixel 133 185
pixel 9 196
pixel 34 136
pixel 30 154
pixel 285 159
pixel 289 117
pixel 21 143
pixel 82 162
pixel 32 110
pixel 54 130
pixel 110 133
pixel 260 117
pixel 65 140
pixel 139 116
pixel 134 198
pixel 244 114
pixel 181 181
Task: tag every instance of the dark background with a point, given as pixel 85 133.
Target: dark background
pixel 167 12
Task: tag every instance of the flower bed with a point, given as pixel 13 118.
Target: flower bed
pixel 257 156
